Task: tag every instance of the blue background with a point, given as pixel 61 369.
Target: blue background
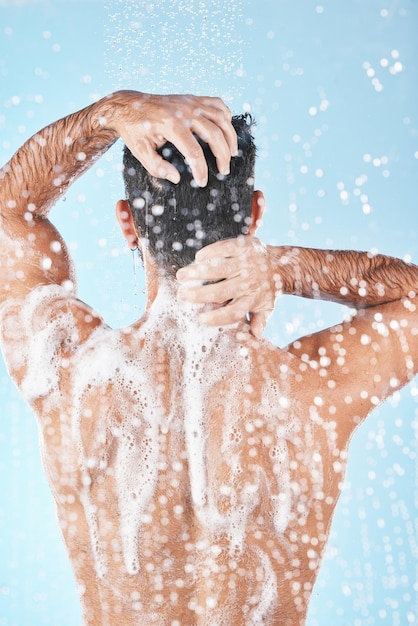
pixel 334 88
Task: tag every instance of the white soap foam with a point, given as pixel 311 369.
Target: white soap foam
pixel 43 321
pixel 34 328
pixel 135 439
pixel 268 595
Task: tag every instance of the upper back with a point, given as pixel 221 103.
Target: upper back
pixel 167 436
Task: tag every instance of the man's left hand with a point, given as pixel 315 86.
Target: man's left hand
pixel 238 276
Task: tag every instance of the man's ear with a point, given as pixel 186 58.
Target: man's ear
pixel 257 211
pixel 126 223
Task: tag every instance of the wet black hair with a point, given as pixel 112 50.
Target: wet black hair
pixel 179 219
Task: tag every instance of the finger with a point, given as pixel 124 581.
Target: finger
pixel 216 103
pixel 214 136
pixel 214 269
pixel 154 163
pixel 258 323
pixel 221 115
pixel 165 170
pixel 215 293
pixel 190 148
pixel 227 314
pixel 224 248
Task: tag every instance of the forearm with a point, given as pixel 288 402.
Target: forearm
pixel 357 279
pixel 49 162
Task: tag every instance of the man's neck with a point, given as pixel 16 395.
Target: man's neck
pixel 165 307
pixel 164 304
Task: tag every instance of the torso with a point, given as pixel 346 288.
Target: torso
pixel 188 469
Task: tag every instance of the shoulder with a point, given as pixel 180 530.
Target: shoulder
pixel 40 331
pixel 45 308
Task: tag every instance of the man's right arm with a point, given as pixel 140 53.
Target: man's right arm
pixel 37 280
pixel 31 251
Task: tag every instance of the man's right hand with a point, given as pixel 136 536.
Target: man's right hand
pixel 145 122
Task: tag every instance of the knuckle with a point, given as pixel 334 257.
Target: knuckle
pixel 220 104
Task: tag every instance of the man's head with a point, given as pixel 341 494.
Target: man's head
pixel 177 220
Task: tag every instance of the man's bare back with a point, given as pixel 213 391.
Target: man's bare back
pixel 195 468
pixel 189 480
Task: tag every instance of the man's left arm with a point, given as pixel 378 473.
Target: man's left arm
pixel 245 276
